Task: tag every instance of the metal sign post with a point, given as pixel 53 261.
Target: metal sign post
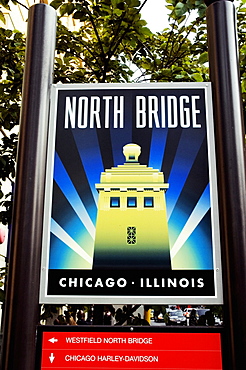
pixel 229 140
pixel 22 308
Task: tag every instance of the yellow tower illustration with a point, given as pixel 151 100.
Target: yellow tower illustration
pixel 131 228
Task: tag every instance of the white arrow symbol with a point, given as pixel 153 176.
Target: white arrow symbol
pixel 52 357
pixel 53 340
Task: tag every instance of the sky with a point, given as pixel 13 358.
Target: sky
pixel 155 13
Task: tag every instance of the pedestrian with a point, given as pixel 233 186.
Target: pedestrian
pixel 69 318
pixel 193 319
pixel 81 318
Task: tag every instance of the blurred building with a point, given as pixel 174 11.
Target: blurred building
pixel 131 229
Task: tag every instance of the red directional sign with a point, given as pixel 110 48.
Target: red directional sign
pixel 117 350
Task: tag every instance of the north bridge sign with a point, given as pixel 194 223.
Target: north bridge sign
pixel 131 195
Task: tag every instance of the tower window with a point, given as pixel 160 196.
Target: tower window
pixel 148 202
pixel 114 201
pixel 131 235
pixel 131 202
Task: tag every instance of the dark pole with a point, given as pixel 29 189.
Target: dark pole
pixel 22 304
pixel 229 141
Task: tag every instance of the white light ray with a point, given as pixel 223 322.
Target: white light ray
pixel 64 182
pixel 196 216
pixel 78 206
pixel 65 238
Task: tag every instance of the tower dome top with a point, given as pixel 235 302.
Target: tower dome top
pixel 131 152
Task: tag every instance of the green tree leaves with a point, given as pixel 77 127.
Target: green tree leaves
pixel 179 9
pixel 12 56
pixel 241 16
pixel 179 53
pixel 109 30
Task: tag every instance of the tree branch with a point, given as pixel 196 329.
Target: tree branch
pixel 95 30
pixel 3 132
pixel 19 3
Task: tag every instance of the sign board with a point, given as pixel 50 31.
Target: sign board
pixel 131 209
pixel 67 348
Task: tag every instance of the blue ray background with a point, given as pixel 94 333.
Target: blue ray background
pixel 82 154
